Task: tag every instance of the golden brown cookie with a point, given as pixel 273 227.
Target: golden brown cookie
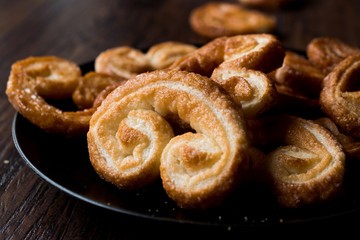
pixel 30 76
pixel 263 52
pixel 217 19
pixel 340 96
pixel 126 61
pixel 122 61
pixel 199 168
pixel 233 61
pixel 308 167
pixel 326 52
pixel 162 55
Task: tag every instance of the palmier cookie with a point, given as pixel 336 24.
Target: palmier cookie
pixel 251 89
pixel 340 95
pixel 29 80
pixel 263 52
pixel 326 52
pixel 162 55
pixel 122 61
pixel 198 170
pixel 126 62
pixel 217 19
pixel 309 166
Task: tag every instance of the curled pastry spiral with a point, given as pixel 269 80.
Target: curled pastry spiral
pixel 309 168
pixel 251 89
pixel 340 95
pixel 128 154
pixel 35 78
pixel 197 169
pixel 228 61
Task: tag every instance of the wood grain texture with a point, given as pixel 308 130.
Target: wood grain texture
pixel 30 208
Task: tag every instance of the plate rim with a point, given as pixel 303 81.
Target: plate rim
pixel 245 225
pixel 78 196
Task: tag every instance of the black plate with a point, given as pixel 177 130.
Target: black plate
pixel 65 164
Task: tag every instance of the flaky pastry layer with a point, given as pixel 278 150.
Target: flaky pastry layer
pixel 198 169
pixel 251 89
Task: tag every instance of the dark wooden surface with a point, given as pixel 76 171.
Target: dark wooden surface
pixel 79 30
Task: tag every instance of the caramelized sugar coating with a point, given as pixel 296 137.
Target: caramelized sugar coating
pixel 23 92
pixel 309 166
pixel 90 86
pixel 198 169
pixel 340 95
pixel 325 52
pixel 162 55
pixel 299 75
pixel 217 19
pixel 251 89
pixel 127 62
pixel 263 52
